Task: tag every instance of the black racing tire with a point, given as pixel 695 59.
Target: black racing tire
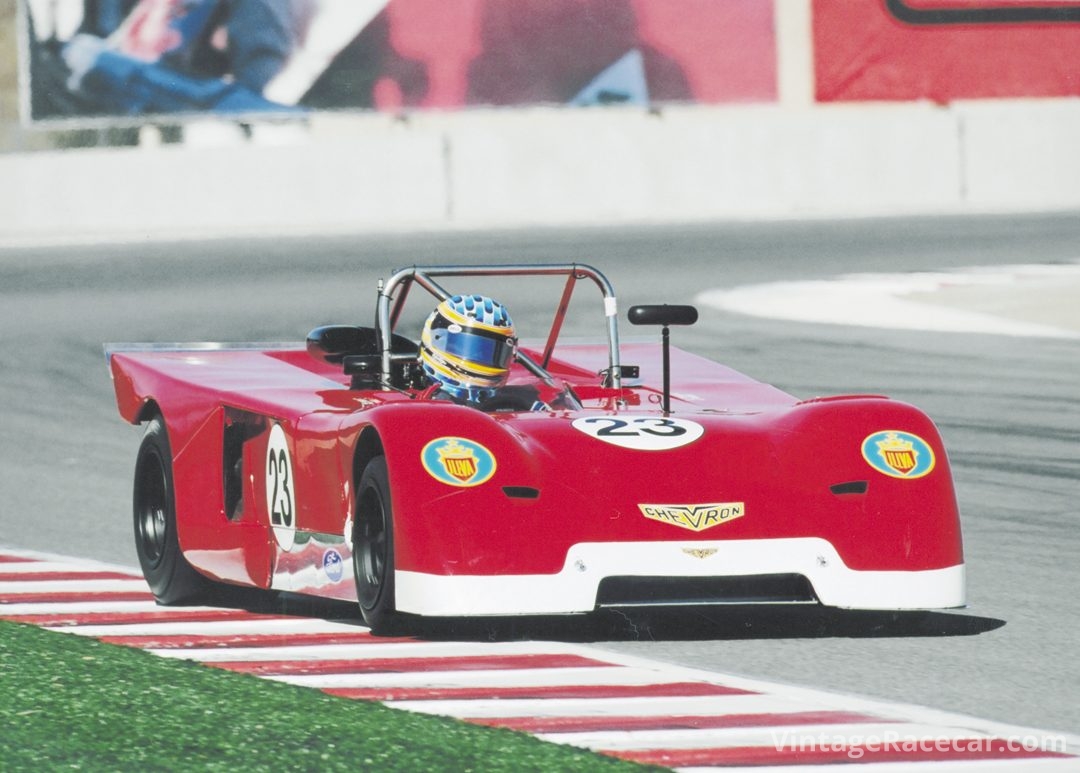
pixel 170 577
pixel 373 547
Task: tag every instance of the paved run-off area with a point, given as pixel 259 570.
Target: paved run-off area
pixel 1040 300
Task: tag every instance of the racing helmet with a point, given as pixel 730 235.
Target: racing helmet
pixel 467 346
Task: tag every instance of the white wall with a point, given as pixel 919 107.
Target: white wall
pixel 1023 154
pixel 551 166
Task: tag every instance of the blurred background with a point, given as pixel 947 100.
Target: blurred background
pixel 398 114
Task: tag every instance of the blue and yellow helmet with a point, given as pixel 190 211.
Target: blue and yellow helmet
pixel 468 345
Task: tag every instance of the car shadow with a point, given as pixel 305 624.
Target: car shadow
pixel 706 624
pixel 682 623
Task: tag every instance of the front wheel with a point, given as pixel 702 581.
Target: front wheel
pixel 171 578
pixel 373 546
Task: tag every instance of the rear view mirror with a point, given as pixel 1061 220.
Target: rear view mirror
pixel 662 314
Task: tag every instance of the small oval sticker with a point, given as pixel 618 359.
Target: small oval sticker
pixel 643 433
pixel 898 454
pixel 457 461
pixel 333 566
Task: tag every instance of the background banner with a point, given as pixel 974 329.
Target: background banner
pixel 135 57
pixel 944 50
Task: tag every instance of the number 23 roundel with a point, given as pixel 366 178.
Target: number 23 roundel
pixel 644 433
pixel 280 497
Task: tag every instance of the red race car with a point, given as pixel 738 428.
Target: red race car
pixel 465 470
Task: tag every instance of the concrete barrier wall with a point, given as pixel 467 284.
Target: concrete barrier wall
pixel 383 176
pixel 1024 155
pixel 557 166
pixel 702 163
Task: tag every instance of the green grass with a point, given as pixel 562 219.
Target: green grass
pixel 72 703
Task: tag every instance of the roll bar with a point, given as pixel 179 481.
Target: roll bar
pixel 393 291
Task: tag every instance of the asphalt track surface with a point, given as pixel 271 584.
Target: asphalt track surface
pixel 1008 408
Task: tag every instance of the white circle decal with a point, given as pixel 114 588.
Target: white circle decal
pixel 643 433
pixel 280 497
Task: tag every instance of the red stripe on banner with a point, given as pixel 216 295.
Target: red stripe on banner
pixel 71 575
pixel 61 598
pixel 919 750
pixel 6 559
pixel 165 615
pixel 195 641
pixel 691 722
pixel 668 690
pixel 409 665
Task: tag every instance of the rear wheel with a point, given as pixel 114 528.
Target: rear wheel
pixel 171 578
pixel 373 546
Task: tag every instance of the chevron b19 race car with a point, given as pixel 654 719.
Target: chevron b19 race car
pixel 584 475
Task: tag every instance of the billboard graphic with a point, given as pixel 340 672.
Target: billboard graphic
pixel 140 57
pixel 1016 12
pixel 945 50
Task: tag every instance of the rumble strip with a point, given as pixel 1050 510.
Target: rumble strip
pixel 634 708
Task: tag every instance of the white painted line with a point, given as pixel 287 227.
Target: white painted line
pixel 213 627
pixel 696 705
pixel 530 677
pixel 316 652
pixel 42 567
pixel 771 737
pixel 57 562
pixel 20 587
pixel 94 607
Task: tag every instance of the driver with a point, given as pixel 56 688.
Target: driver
pixel 467 347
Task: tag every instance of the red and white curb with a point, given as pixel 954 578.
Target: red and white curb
pixel 634 708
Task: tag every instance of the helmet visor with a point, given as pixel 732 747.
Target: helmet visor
pixel 492 351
